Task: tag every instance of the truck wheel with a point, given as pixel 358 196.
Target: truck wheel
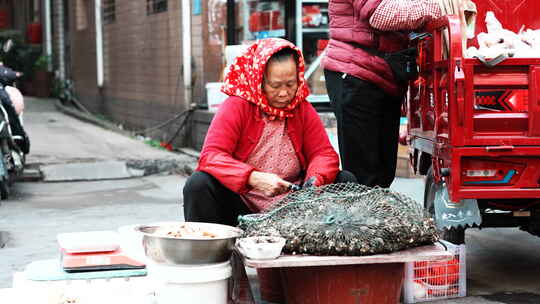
pixel 4 189
pixel 453 235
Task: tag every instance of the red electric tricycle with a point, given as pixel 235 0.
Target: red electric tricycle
pixel 474 128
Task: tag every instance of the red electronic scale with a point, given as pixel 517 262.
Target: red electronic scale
pixel 98 261
pixel 94 251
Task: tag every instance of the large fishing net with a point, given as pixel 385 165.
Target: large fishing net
pixel 344 219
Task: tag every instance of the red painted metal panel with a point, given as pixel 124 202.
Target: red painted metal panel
pixel 534 102
pixel 503 127
pixel 450 112
pixel 517 121
pixel 526 183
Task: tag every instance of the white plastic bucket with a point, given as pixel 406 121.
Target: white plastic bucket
pixel 214 96
pixel 233 51
pixel 131 242
pixel 200 284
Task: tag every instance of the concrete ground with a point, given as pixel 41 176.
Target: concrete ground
pixel 502 266
pixel 80 198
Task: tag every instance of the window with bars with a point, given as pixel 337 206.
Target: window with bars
pixel 109 11
pixel 156 6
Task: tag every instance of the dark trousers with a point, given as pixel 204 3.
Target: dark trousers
pixel 368 128
pixel 207 200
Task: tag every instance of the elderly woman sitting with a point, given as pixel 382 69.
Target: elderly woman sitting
pixel 264 138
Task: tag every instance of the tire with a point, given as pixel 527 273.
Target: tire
pixel 453 235
pixel 4 189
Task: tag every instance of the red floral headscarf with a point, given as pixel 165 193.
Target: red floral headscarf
pixel 245 77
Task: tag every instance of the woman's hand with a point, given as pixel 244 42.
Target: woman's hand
pixel 268 183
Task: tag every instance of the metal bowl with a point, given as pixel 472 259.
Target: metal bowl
pixel 189 251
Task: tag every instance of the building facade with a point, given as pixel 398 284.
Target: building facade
pixel 128 58
pixel 142 60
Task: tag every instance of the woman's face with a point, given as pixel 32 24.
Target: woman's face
pixel 280 82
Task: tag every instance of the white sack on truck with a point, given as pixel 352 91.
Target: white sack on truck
pixel 500 41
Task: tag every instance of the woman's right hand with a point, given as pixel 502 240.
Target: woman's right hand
pixel 268 183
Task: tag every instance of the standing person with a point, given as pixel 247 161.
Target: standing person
pixel 363 89
pixel 264 138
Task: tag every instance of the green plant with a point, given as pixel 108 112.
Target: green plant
pixel 63 90
pixel 42 63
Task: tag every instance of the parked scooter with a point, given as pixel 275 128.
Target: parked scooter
pixel 14 142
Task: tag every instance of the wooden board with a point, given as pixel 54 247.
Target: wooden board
pixel 7 294
pixel 51 270
pixel 423 253
pixel 102 293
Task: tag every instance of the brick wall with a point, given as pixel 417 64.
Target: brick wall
pixel 83 52
pixel 143 84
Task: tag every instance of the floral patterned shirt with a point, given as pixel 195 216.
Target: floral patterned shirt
pixel 274 153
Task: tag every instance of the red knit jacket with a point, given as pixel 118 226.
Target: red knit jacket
pixel 349 25
pixel 236 130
